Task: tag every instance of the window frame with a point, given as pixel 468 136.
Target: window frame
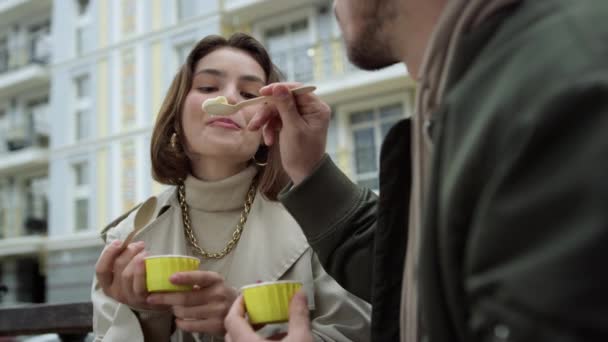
pixel 374 103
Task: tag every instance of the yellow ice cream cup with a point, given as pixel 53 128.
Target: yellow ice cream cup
pixel 269 302
pixel 159 268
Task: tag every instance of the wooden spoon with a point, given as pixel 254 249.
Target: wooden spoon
pixel 213 107
pixel 143 216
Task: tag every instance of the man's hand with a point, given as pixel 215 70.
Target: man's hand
pixel 239 330
pixel 300 123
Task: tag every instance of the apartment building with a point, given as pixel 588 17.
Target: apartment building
pixel 89 113
pixel 25 54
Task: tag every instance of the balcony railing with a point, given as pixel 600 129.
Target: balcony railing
pixel 322 61
pixel 31 131
pixel 37 50
pixel 71 321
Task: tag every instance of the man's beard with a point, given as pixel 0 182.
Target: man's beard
pixel 370 50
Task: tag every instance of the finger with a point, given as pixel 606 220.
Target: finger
pixel 105 264
pixel 262 118
pixel 299 320
pixel 127 255
pixel 210 326
pixel 201 278
pixel 286 106
pixel 139 278
pixel 127 279
pixel 236 326
pixel 270 131
pixel 267 90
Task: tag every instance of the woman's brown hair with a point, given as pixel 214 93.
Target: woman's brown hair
pixel 171 165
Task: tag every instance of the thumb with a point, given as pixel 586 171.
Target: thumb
pixel 299 321
pixel 286 105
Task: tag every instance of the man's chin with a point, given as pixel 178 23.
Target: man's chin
pixel 370 59
pixel 367 60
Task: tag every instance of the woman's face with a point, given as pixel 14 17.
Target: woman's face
pixel 235 75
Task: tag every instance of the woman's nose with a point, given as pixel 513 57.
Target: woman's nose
pixel 232 96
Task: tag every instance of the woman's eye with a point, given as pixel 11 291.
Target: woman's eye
pixel 249 95
pixel 207 89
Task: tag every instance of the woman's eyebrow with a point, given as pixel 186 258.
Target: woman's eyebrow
pixel 222 74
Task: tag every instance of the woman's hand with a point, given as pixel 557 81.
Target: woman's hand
pixel 121 273
pixel 203 309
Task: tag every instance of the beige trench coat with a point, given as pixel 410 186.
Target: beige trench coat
pixel 272 247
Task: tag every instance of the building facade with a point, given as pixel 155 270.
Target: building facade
pixel 112 62
pixel 25 56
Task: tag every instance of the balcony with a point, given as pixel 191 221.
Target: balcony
pixel 326 65
pixel 11 9
pixel 246 10
pixel 24 66
pixel 24 147
pixel 320 62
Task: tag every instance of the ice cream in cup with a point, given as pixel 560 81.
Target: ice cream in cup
pixel 160 267
pixel 268 302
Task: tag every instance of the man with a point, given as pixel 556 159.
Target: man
pixel 508 223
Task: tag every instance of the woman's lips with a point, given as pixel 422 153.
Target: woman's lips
pixel 225 123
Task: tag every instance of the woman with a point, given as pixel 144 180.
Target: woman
pixel 221 208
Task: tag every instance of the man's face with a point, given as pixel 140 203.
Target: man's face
pixel 365 25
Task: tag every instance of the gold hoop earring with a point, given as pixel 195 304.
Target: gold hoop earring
pixel 173 141
pixel 262 152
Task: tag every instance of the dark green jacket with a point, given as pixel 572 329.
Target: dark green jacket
pixel 515 231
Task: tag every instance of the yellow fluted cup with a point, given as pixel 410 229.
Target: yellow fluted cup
pixel 269 302
pixel 159 268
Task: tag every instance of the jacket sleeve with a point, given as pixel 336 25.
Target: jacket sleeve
pixel 338 314
pixel 114 321
pixel 537 265
pixel 339 221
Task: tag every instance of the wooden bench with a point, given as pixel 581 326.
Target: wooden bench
pixel 71 321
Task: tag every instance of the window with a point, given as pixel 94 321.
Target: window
pixel 82 7
pixel 82 31
pixel 369 127
pixel 182 51
pixel 3 210
pixel 81 174
pixel 3 128
pixel 82 124
pixel 289 46
pixel 186 9
pixel 80 202
pixel 36 205
pixel 37 112
pixel 81 209
pixel 40 42
pixel 4 54
pixel 82 113
pixel 82 86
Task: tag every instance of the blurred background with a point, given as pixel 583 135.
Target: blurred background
pixel 81 82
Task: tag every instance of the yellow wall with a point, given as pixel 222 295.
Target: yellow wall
pixel 156 73
pixel 102 187
pixel 156 15
pixel 103 100
pixel 102 32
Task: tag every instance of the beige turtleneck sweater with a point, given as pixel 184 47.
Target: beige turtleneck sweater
pixel 215 208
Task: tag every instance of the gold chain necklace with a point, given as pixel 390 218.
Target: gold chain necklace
pixel 236 235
